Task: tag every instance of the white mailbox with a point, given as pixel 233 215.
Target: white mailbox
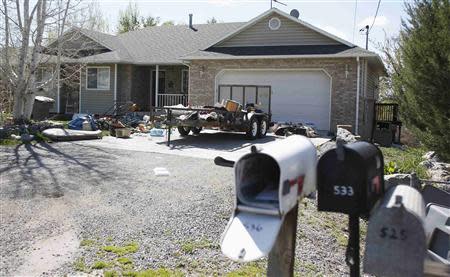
pixel 269 184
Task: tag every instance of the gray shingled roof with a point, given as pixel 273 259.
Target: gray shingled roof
pixel 159 44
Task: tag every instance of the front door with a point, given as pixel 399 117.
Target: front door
pixel 161 83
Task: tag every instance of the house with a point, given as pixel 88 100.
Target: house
pixel 298 71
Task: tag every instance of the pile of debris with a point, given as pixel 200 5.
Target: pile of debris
pixel 436 169
pixel 288 129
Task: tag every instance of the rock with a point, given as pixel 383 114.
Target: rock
pixel 345 136
pixel 427 164
pixel 431 156
pixel 401 179
pixel 325 147
pixel 439 171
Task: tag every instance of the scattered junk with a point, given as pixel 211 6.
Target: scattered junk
pixel 83 122
pixel 288 129
pixel 58 134
pixel 122 132
pixel 228 116
pixel 161 171
pixel 156 132
pixel 41 107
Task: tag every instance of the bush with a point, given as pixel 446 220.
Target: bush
pixel 419 67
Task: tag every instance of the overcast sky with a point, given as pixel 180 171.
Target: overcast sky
pixel 336 17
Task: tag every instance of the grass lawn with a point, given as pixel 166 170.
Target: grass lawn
pixel 404 161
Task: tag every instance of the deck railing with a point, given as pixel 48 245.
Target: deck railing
pixel 167 99
pixel 386 112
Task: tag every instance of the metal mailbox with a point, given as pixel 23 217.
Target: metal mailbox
pixel 350 179
pixel 395 241
pixel 269 184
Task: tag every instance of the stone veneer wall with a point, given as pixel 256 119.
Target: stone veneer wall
pixel 202 85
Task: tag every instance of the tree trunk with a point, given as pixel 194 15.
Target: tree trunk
pixel 18 106
pixel 28 105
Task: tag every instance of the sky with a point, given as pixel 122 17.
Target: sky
pixel 336 17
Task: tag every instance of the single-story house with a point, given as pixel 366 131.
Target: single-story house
pixel 298 71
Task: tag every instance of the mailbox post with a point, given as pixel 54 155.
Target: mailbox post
pixel 350 181
pixel 269 184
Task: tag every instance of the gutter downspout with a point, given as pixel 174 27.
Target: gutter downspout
pixel 357 96
pixel 115 88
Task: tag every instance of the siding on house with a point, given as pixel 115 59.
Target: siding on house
pixel 289 33
pixel 97 101
pixel 371 77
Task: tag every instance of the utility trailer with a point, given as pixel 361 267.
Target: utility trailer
pixel 253 122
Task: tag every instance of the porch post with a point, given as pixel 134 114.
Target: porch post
pixel 156 85
pixel 115 88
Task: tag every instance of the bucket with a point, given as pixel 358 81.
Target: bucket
pixel 232 106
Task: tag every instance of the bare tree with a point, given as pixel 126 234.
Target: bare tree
pixel 27 27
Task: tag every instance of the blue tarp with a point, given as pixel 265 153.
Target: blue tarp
pixel 77 122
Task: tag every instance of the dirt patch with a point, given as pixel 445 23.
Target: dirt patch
pixel 49 254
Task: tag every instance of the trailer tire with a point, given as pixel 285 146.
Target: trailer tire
pixel 253 130
pixel 196 130
pixel 263 127
pixel 184 131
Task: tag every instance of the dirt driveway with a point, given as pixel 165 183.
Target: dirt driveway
pixel 71 208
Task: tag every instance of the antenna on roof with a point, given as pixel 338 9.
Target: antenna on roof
pixel 294 13
pixel 276 1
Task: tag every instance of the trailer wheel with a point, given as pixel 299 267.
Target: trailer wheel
pixel 263 126
pixel 196 130
pixel 253 131
pixel 184 131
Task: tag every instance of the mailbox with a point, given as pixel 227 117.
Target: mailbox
pixel 350 179
pixel 395 241
pixel 269 184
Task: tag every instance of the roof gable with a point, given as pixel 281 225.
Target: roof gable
pixel 291 32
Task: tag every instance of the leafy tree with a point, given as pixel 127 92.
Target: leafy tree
pixel 150 21
pixel 129 19
pixel 212 20
pixel 168 23
pixel 418 64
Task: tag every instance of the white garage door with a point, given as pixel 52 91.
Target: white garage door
pixel 297 95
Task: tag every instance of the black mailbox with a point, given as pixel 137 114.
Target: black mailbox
pixel 350 179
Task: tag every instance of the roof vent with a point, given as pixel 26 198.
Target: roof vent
pixel 294 13
pixel 274 23
pixel 191 26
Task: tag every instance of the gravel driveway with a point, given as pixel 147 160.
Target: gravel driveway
pixel 63 203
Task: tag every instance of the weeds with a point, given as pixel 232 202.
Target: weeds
pixel 131 247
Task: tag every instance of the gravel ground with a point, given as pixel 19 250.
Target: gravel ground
pixel 62 203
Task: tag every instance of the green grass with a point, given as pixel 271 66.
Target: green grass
pixel 131 247
pixel 404 161
pixel 87 243
pixel 100 265
pixel 124 260
pixel 9 142
pixel 250 270
pixel 160 272
pixel 80 265
pixel 110 274
pixel 190 246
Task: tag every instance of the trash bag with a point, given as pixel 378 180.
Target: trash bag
pixel 77 122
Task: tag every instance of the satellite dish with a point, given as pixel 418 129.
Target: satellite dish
pixel 295 13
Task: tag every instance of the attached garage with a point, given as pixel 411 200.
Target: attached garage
pixel 297 95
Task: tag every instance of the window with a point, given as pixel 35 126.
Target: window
pixel 43 75
pixel 98 78
pixel 185 81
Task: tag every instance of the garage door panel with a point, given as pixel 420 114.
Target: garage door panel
pixel 297 95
